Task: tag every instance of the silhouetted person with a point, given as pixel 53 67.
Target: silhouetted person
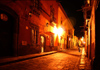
pixel 78 47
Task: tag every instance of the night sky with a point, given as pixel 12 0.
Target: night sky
pixel 71 7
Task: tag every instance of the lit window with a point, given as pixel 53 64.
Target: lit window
pixel 3 17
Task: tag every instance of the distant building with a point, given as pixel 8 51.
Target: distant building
pixel 32 26
pixel 76 42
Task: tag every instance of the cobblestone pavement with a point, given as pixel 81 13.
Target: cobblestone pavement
pixel 57 61
pixel 88 64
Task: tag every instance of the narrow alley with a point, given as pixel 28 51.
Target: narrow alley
pixel 49 34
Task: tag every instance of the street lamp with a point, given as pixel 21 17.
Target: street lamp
pixel 82 39
pixel 58 31
pixel 55 30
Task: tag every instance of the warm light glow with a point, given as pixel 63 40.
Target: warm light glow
pixel 83 42
pixel 83 51
pixel 42 49
pixel 42 41
pixel 60 31
pixel 81 39
pixel 55 30
pixel 88 1
pixel 69 39
pixel 3 17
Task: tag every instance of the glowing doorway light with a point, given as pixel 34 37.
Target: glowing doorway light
pixel 42 42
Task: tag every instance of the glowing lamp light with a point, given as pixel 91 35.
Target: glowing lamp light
pixel 81 39
pixel 69 39
pixel 55 30
pixel 88 1
pixel 60 31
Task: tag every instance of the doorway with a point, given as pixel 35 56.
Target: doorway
pixel 67 42
pixel 6 34
pixel 9 30
pixel 42 44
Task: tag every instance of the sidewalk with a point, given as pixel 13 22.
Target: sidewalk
pixel 21 58
pixel 85 63
pixel 71 51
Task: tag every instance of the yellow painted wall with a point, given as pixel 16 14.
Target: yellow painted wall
pixel 66 25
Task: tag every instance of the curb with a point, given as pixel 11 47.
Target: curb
pixel 22 59
pixel 82 60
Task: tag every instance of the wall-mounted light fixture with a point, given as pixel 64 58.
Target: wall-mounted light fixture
pixel 30 13
pixel 47 24
pixel 69 39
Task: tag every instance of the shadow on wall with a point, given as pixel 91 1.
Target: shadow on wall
pixel 28 49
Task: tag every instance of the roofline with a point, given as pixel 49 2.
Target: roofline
pixel 59 4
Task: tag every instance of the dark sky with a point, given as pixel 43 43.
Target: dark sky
pixel 71 7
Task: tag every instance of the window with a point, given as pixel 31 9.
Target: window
pixel 34 33
pixel 52 40
pixel 51 13
pixel 3 17
pixel 36 3
pixel 35 6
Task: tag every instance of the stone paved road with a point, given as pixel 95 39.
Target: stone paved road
pixel 57 61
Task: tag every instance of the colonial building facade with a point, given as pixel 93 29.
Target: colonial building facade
pixel 67 36
pixel 92 32
pixel 32 26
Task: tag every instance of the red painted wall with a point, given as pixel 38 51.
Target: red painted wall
pixel 22 9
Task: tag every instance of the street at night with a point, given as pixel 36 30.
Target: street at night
pixel 56 61
pixel 49 34
pixel 66 60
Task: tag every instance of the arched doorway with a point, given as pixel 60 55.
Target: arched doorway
pixel 42 43
pixel 8 32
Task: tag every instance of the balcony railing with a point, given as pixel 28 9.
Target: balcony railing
pixel 52 21
pixel 35 8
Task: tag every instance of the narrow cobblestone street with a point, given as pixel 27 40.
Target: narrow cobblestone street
pixel 57 61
